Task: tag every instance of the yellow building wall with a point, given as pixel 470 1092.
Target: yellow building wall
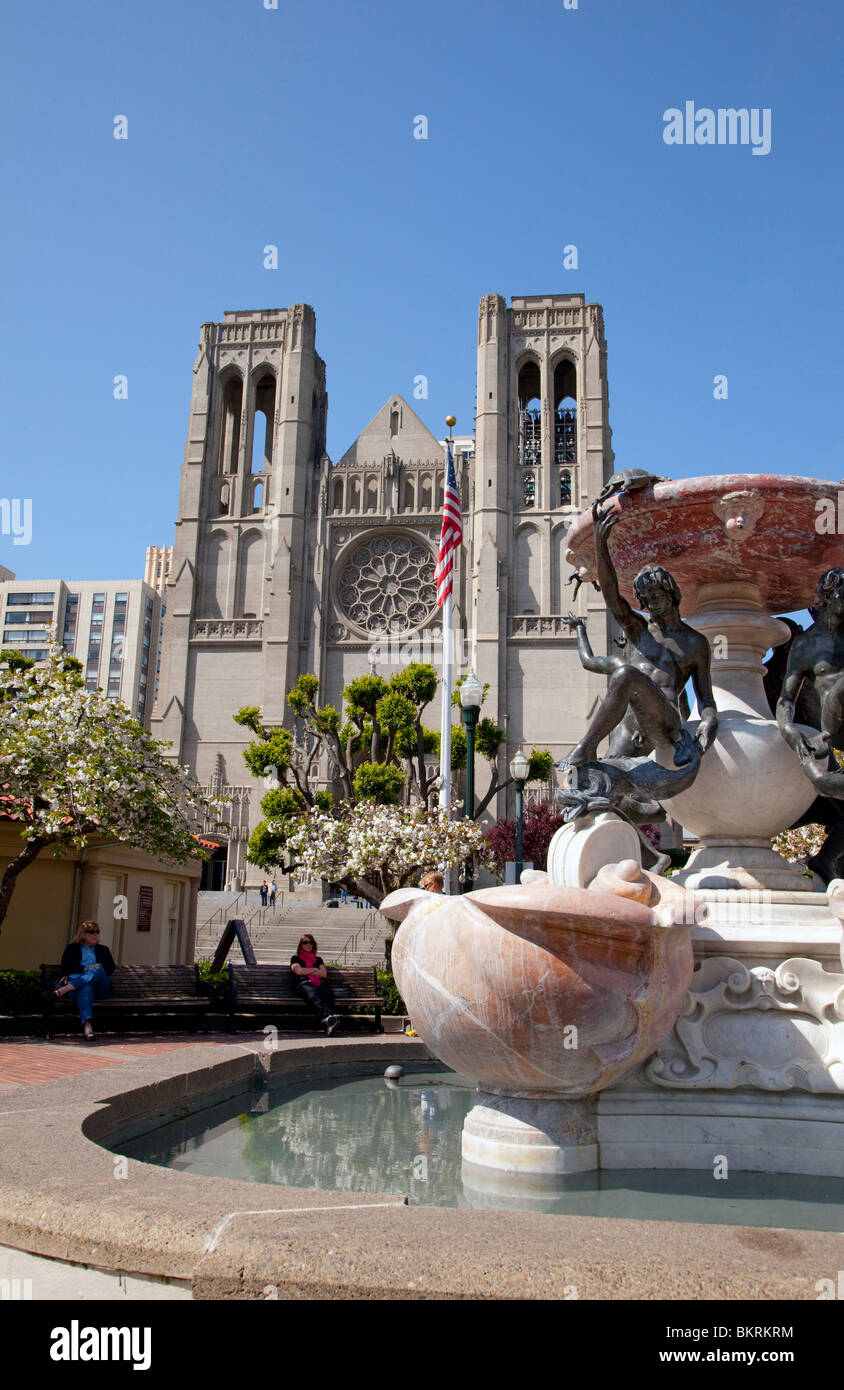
pixel 38 924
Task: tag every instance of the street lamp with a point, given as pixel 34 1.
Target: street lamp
pixel 519 768
pixel 471 694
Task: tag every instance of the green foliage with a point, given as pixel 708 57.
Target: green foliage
pixel 488 738
pixel 405 745
pixel 16 661
pixel 216 983
pixel 20 991
pixel 283 801
pixel 394 712
pixel 324 801
pixel 250 717
pixel 326 720
pixel 265 848
pixel 362 696
pixel 417 682
pixel 540 762
pixel 360 738
pixel 274 751
pixel 393 1003
pixel 301 698
pixel 379 782
pixel 458 747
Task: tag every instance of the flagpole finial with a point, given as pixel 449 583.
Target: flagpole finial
pixel 451 421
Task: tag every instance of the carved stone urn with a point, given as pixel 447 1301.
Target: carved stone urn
pixel 546 995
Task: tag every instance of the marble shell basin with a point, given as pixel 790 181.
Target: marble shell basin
pixel 541 988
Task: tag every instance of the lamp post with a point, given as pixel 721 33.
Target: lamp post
pixel 519 767
pixel 471 694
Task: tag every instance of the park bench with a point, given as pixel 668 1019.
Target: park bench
pixel 163 994
pixel 269 991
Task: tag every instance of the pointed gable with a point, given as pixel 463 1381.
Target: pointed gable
pixel 395 429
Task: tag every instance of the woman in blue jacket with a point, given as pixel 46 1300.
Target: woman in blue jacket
pixel 87 966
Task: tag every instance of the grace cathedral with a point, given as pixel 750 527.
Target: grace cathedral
pixel 287 562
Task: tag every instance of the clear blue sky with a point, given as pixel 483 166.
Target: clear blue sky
pixel 294 126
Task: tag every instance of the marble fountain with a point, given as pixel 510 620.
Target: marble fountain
pixel 615 1018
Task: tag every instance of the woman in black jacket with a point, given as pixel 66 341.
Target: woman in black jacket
pixel 87 966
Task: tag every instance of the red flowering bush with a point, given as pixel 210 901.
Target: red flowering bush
pixel 540 824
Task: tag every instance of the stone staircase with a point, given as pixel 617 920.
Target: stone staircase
pixel 346 935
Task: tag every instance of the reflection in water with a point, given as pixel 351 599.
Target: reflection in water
pixel 403 1139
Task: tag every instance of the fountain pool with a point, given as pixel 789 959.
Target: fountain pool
pixel 361 1134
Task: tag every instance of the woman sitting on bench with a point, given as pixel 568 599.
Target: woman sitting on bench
pixel 312 982
pixel 87 966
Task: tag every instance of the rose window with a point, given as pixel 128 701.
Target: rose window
pixel 387 584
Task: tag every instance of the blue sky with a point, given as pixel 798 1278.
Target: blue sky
pixel 294 126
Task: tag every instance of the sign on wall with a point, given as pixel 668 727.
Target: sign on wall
pixel 144 909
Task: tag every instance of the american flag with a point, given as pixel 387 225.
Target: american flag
pixel 452 532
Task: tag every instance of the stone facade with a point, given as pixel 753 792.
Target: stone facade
pixel 285 562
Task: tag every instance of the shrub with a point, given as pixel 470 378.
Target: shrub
pixel 539 827
pixel 20 991
pixel 217 983
pixel 393 1003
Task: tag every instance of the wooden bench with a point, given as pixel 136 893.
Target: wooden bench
pixel 161 993
pixel 270 991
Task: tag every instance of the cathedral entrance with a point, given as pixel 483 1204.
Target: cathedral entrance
pixel 213 878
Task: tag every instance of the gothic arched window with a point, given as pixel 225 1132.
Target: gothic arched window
pixel 530 416
pixel 565 413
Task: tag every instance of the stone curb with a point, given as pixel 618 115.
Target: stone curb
pixel 59 1197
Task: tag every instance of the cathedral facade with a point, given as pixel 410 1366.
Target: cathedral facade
pixel 285 562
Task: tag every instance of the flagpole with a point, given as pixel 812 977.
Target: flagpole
pixel 445 723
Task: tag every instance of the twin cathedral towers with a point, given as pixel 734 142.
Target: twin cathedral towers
pixel 284 562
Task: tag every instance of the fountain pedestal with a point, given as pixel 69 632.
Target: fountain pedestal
pixel 532 1134
pixel 750 784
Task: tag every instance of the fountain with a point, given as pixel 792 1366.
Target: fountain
pixel 615 1018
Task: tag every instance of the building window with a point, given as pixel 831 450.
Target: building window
pixel 28 600
pixel 530 416
pixel 565 413
pixel 118 639
pixel 565 489
pixel 95 641
pixel 71 615
pixel 529 490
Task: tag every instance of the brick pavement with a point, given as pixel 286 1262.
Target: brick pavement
pixel 34 1062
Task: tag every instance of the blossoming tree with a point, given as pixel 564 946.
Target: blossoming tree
pixel 74 764
pixel 375 849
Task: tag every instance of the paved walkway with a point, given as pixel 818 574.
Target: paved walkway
pixel 31 1063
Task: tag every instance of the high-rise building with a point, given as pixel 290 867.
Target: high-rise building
pixel 110 626
pixel 284 562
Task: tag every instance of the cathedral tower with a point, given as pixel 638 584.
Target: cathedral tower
pixel 237 627
pixel 543 453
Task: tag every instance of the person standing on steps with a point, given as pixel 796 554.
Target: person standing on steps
pixel 272 894
pixel 263 890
